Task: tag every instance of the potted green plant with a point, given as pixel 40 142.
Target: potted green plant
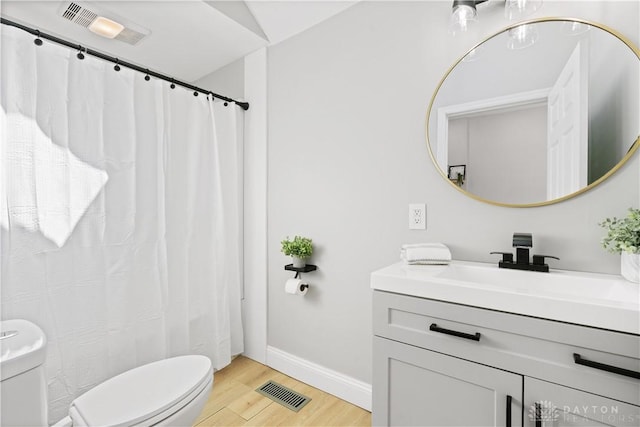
pixel 300 249
pixel 623 237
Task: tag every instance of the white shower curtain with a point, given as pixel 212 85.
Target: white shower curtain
pixel 120 217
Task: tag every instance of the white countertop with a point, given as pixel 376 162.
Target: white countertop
pixel 590 299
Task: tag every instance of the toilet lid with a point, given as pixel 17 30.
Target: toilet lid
pixel 142 393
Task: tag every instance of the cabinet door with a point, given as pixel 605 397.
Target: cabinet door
pixel 559 406
pixel 417 387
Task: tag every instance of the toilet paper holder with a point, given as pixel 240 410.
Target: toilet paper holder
pixel 299 270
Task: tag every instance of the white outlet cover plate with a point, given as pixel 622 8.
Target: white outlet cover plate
pixel 417 216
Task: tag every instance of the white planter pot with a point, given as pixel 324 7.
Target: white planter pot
pixel 299 262
pixel 630 266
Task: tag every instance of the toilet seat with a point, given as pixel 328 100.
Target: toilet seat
pixel 145 395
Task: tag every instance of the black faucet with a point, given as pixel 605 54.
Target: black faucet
pixel 522 242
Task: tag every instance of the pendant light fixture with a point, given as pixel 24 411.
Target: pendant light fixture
pixel 463 15
pixel 522 36
pixel 517 9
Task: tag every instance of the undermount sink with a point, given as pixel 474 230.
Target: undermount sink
pixel 598 300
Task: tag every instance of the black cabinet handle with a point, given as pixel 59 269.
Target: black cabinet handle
pixel 597 365
pixel 509 399
pixel 538 414
pixel 474 337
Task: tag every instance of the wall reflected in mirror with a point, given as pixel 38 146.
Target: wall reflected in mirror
pixel 540 120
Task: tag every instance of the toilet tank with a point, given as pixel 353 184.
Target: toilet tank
pixel 23 387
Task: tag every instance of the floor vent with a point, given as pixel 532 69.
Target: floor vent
pixel 283 395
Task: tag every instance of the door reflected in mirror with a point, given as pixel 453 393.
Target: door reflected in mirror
pixel 541 122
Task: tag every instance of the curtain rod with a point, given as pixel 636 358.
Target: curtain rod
pixel 81 49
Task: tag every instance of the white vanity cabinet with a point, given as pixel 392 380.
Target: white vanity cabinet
pixel 564 406
pixel 437 363
pixel 419 387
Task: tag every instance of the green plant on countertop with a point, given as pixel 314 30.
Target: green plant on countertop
pixel 623 235
pixel 300 247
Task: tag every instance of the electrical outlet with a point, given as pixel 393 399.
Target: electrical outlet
pixel 417 216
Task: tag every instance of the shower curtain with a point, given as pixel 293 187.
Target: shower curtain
pixel 120 219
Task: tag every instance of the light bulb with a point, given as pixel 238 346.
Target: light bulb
pixel 522 36
pixel 516 9
pixel 574 28
pixel 105 27
pixel 462 16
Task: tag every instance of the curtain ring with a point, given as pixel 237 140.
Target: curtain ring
pixel 173 85
pixel 147 78
pixel 80 55
pixel 117 66
pixel 38 41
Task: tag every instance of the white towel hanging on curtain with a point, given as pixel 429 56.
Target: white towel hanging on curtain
pixel 120 216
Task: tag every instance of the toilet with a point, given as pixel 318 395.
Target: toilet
pixel 169 392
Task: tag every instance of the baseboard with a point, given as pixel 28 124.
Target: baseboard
pixel 340 385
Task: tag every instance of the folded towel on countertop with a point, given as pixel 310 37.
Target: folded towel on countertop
pixel 425 254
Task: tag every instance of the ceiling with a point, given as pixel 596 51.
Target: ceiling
pixel 188 38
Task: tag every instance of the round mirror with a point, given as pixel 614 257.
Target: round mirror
pixel 537 113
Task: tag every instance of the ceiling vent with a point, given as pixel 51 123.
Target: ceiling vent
pixel 84 13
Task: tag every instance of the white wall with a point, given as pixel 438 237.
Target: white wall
pixel 505 154
pixel 347 154
pixel 254 307
pixel 614 102
pixel 227 81
pixel 247 80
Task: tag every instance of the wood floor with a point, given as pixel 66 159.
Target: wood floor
pixel 234 401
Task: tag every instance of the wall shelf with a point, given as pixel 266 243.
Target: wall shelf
pixel 306 269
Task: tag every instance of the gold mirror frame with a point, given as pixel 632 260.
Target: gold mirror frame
pixel 604 177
